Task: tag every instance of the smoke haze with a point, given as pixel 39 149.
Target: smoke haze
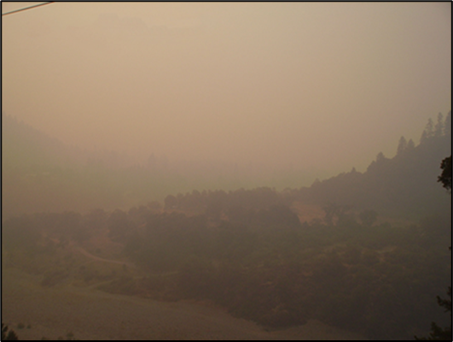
pixel 319 87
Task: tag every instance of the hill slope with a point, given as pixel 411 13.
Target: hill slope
pixel 405 184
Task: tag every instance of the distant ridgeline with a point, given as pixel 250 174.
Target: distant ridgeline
pixel 40 173
pixel 405 184
pixel 23 145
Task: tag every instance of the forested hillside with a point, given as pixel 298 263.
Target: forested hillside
pixel 402 185
pixel 254 252
pixel 255 259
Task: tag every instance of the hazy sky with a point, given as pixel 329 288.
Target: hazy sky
pixel 316 85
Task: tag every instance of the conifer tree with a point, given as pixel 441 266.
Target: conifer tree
pixel 428 132
pixel 429 128
pixel 447 124
pixel 410 145
pixel 402 146
pixel 439 129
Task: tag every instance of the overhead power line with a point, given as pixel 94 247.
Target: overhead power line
pixel 26 8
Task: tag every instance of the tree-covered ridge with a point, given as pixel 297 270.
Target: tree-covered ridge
pixel 404 184
pixel 40 173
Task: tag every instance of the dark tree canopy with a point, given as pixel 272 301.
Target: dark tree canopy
pixel 368 217
pixel 445 177
pixel 11 335
pixel 438 333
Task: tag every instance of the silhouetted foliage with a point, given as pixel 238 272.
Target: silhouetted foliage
pixel 438 333
pixel 445 177
pixel 8 335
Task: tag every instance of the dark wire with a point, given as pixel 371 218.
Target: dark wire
pixel 26 8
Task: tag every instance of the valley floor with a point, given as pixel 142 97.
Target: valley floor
pixel 86 313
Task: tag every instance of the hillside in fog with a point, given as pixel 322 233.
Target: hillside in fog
pixel 354 253
pixel 401 185
pixel 41 173
pixel 226 170
pixel 258 255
